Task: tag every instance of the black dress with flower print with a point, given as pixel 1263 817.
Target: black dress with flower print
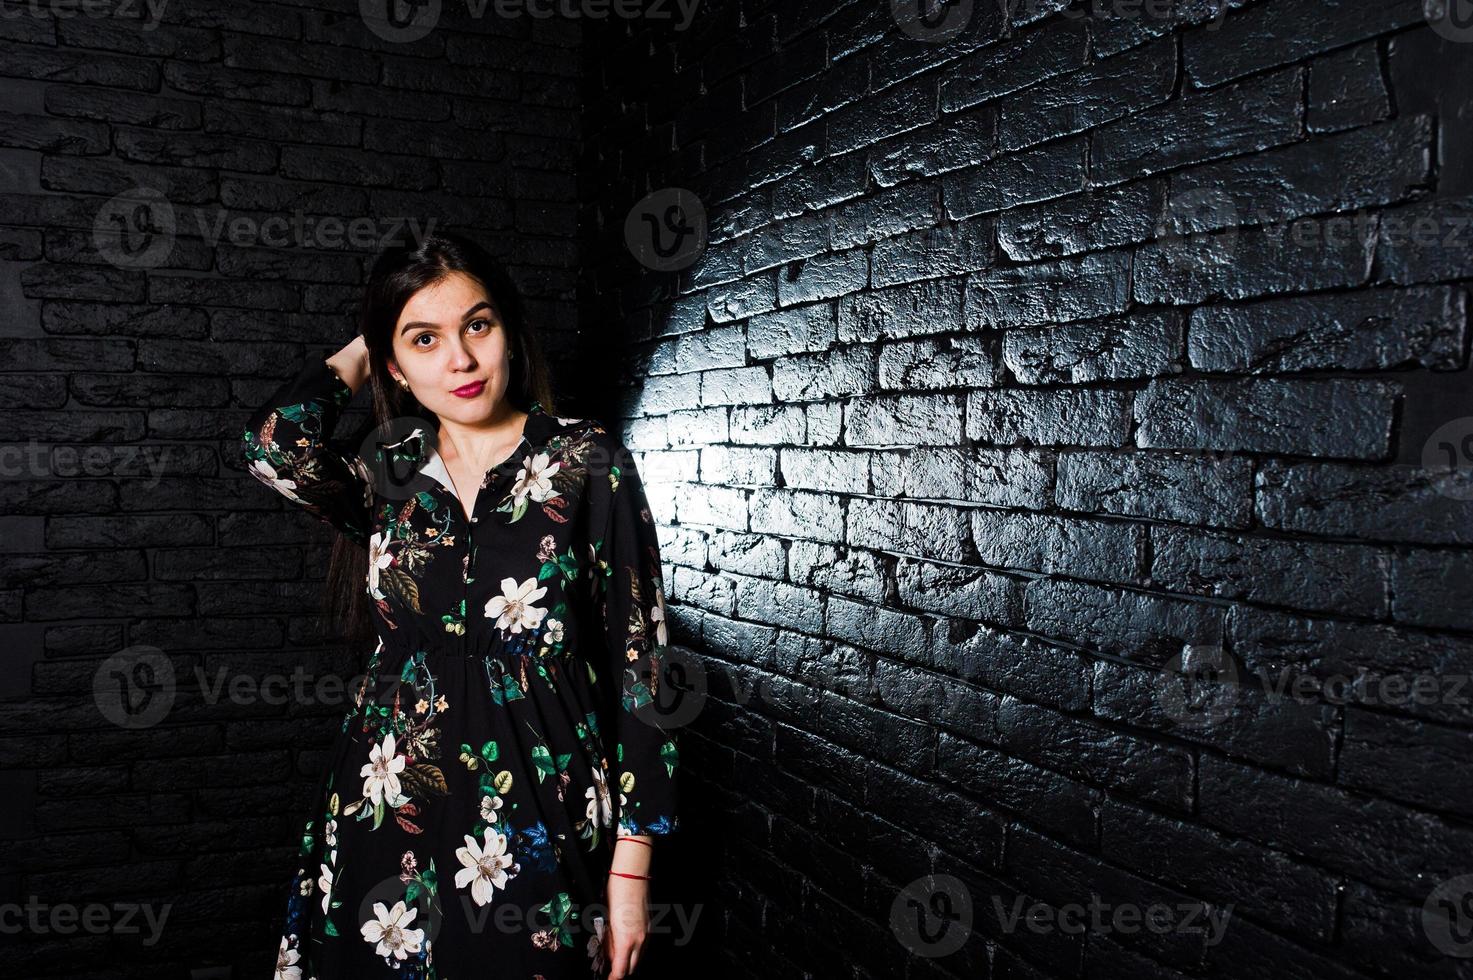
pixel 504 730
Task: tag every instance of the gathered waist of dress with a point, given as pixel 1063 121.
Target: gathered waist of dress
pixel 413 637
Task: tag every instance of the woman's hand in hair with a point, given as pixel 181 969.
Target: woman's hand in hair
pixel 351 363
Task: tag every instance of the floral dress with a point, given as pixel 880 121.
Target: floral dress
pixel 505 729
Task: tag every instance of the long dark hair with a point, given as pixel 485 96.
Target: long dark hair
pixel 398 273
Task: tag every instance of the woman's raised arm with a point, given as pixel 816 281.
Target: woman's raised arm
pixel 285 444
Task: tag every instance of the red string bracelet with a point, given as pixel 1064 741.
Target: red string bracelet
pixel 636 840
pixel 623 875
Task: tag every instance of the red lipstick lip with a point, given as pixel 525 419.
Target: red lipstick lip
pixel 471 390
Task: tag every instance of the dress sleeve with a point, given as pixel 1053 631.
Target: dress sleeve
pixel 630 596
pixel 285 446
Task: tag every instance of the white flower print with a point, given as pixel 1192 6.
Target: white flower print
pixel 389 930
pixel 379 558
pixel 286 961
pixel 330 833
pixel 485 866
pixel 325 882
pixel 266 473
pixel 554 632
pixel 534 479
pixel 489 806
pixel 599 802
pixel 513 609
pixel 381 774
pixel 657 615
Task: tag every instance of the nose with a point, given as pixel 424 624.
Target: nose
pixel 461 358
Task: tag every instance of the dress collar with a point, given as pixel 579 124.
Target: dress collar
pixel 417 450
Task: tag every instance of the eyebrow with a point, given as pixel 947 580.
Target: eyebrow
pixel 484 304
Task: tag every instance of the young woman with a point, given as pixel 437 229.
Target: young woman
pixel 492 800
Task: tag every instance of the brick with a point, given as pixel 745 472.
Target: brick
pixel 1403 758
pixel 1315 576
pixel 1234 715
pixel 1058 545
pixel 933 531
pixel 1377 165
pixel 962 140
pixel 1049 292
pixel 823 277
pixel 901 311
pixel 1082 223
pixel 1426 242
pixel 1346 90
pixel 958 591
pixel 1231 873
pixel 1000 477
pixel 997 70
pixel 902 420
pixel 1033 175
pixel 1141 627
pixel 1431 589
pixel 1334 418
pixel 1142 346
pixel 1251 116
pixel 1095 754
pixel 1309 254
pixel 946 362
pixel 1088 98
pixel 1348 833
pixel 1399 503
pixel 931 253
pixel 1173 486
pixel 1049 417
pixel 1266 36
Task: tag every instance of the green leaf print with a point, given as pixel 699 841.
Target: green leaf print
pixel 542 759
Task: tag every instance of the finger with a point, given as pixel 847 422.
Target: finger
pixel 620 960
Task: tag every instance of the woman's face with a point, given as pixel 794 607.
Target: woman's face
pixel 452 348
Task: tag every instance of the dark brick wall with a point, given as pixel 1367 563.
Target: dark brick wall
pixel 1034 384
pixel 244 112
pixel 1030 380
